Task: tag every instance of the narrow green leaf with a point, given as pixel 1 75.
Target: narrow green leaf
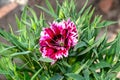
pixel 26 76
pixel 79 45
pixel 45 59
pixel 91 41
pixel 24 14
pixel 66 64
pixel 96 21
pixel 43 77
pixel 92 46
pixel 33 14
pixel 101 64
pixel 50 6
pixel 95 51
pixel 18 22
pixel 116 67
pixel 33 24
pixel 35 75
pixel 83 8
pixel 81 67
pixel 47 11
pixel 86 73
pixel 114 48
pixel 12 39
pixel 62 69
pixel 111 76
pixel 11 29
pixel 96 76
pixel 6 66
pixel 57 77
pixel 20 53
pixel 74 76
pixel 105 24
pixel 75 67
pixel 5 49
pixel 91 14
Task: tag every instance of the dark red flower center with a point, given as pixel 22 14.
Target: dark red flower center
pixel 58 41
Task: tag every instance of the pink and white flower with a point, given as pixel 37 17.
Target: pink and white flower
pixel 56 40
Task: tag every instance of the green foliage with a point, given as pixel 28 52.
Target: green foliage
pixel 93 58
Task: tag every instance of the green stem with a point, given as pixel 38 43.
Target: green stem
pixel 34 76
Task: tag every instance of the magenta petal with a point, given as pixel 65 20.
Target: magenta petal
pixel 54 27
pixel 49 32
pixel 56 41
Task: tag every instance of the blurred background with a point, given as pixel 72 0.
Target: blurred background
pixel 110 9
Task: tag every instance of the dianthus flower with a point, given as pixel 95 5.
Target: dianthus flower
pixel 56 40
